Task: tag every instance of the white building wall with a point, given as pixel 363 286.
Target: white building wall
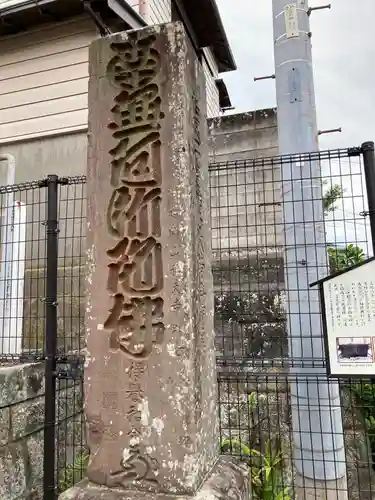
pixel 158 11
pixel 43 80
pixel 134 4
pixel 44 77
pixel 153 11
pixel 212 92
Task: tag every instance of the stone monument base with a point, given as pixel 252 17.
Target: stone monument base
pixel 228 480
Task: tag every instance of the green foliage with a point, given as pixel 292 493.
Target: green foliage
pixel 74 472
pixel 330 198
pixel 267 477
pixel 266 469
pixel 252 401
pixel 370 426
pixel 364 395
pixel 235 446
pixel 341 258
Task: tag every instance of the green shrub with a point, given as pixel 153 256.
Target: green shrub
pixel 341 258
pixel 74 472
pixel 266 469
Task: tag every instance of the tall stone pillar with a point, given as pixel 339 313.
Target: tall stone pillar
pixel 150 377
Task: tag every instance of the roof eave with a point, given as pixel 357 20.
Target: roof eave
pixel 209 30
pixel 128 13
pixel 204 15
pixel 231 63
pixel 120 7
pixel 27 4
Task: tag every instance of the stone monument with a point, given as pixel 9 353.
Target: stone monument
pixel 150 375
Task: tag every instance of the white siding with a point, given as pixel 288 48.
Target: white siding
pixel 10 3
pixel 43 80
pixel 158 11
pixel 212 93
pixel 153 11
pixel 134 4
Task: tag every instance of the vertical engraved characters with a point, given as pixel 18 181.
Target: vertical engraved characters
pixel 135 270
pixel 135 274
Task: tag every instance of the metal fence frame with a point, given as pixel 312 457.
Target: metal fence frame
pixel 64 366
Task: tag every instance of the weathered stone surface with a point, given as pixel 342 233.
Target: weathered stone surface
pixel 70 310
pixel 227 481
pixel 35 463
pixel 22 425
pixel 150 377
pixel 27 418
pixel 20 382
pixel 5 426
pixel 12 471
pixel 250 321
pixel 243 136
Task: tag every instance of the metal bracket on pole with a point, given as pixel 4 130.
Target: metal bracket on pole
pixel 320 7
pixel 269 77
pixel 329 131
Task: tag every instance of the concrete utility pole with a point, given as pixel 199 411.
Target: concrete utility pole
pixel 316 412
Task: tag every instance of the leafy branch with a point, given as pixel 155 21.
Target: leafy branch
pixel 74 472
pixel 330 197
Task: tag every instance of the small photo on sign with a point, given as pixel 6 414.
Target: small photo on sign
pixel 358 349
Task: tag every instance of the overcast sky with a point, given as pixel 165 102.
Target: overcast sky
pixel 344 64
pixel 344 69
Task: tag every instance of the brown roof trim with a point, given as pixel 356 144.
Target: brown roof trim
pixel 208 27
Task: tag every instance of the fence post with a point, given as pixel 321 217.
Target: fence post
pixel 49 479
pixel 369 168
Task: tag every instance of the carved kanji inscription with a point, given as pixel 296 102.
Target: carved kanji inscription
pixel 135 267
pixel 135 467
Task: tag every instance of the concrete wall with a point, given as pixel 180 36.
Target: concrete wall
pixel 35 159
pixel 21 430
pixel 244 198
pixel 232 137
pixel 242 136
pixel 247 238
pixel 62 155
